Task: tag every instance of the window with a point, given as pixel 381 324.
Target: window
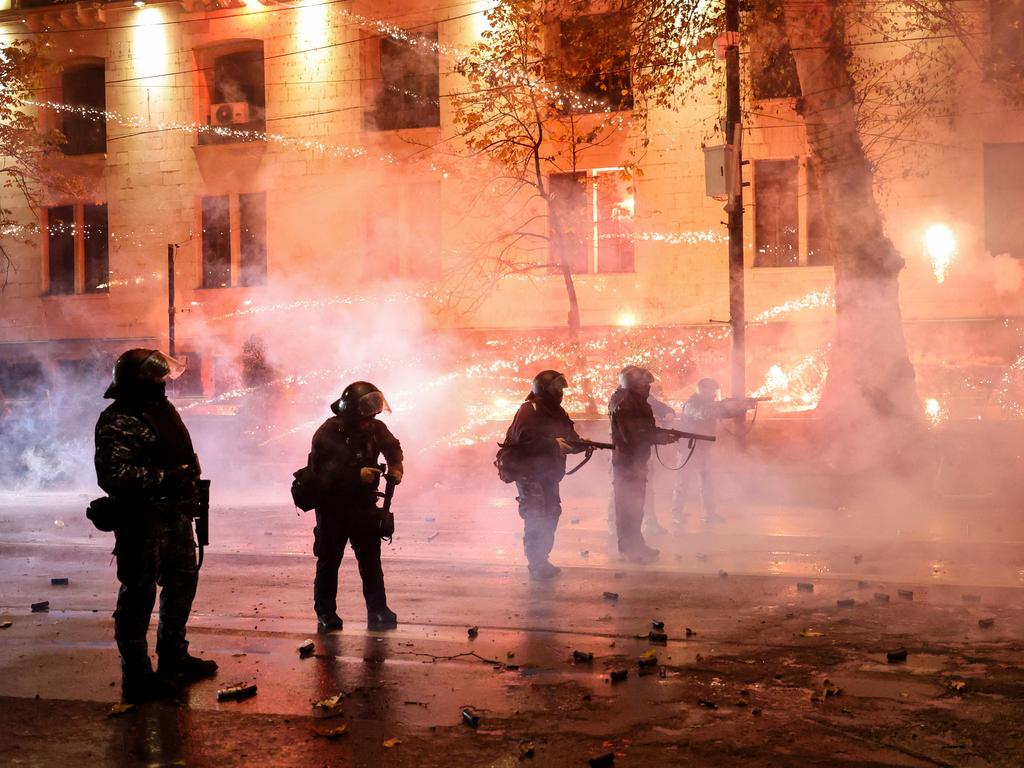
pixel 84 133
pixel 402 83
pixel 216 242
pixel 1004 198
pixel 234 242
pixel 234 94
pixel 790 228
pixel 252 236
pixel 77 249
pixel 191 381
pixel 773 70
pixel 590 221
pixel 776 220
pixel 60 231
pixel 405 242
pixel 595 59
pixel 1006 31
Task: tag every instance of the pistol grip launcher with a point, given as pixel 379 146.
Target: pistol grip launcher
pixel 202 517
pixel 384 513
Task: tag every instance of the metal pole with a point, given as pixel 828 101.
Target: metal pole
pixel 737 319
pixel 171 248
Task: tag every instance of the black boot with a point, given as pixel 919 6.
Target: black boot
pixel 187 669
pixel 385 618
pixel 328 622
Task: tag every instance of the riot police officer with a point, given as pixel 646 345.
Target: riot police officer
pixel 344 460
pixel 537 442
pixel 701 414
pixel 633 434
pixel 146 463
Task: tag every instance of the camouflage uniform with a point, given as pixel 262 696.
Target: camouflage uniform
pixel 533 434
pixel 138 442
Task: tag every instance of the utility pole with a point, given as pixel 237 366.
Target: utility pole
pixel 171 248
pixel 733 135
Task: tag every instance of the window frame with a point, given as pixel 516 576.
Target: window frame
pixel 73 145
pixel 809 228
pixel 239 273
pixel 374 90
pixel 592 241
pixel 206 86
pixel 79 283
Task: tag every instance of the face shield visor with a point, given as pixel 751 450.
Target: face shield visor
pixel 159 367
pixel 556 388
pixel 371 404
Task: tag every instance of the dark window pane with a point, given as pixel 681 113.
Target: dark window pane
pixel 773 70
pixel 238 78
pixel 97 262
pixel 84 133
pixel 216 243
pixel 252 223
pixel 60 236
pixel 1004 199
pixel 409 95
pixel 614 223
pixel 776 218
pixel 570 222
pixel 819 245
pixel 1006 28
pixel 595 51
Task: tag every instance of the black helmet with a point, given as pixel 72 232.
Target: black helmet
pixel 708 387
pixel 549 385
pixel 636 379
pixel 360 399
pixel 137 369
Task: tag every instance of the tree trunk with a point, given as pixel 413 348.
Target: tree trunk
pixel 869 399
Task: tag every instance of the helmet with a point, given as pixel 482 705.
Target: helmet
pixel 360 399
pixel 549 385
pixel 138 368
pixel 635 378
pixel 708 387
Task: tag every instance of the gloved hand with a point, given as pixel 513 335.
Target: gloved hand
pixel 664 438
pixel 564 447
pixel 179 480
pixel 369 475
pixel 395 473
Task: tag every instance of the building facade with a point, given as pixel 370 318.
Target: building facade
pixel 290 155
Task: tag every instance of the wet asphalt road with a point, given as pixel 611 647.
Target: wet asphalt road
pixel 747 687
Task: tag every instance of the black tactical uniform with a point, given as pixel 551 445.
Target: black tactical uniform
pixel 701 415
pixel 146 463
pixel 633 434
pixel 344 459
pixel 533 437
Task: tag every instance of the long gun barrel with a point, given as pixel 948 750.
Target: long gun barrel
pixel 591 445
pixel 680 435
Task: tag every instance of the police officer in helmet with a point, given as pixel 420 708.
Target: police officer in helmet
pixel 344 460
pixel 701 414
pixel 145 462
pixel 539 438
pixel 633 433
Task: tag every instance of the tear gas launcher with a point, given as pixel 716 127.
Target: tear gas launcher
pixel 384 513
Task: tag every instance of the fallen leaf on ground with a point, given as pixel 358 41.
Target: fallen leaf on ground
pixel 394 741
pixel 810 633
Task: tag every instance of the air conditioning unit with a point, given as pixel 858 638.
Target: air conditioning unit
pixel 229 113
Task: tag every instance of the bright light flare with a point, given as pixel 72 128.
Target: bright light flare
pixel 934 411
pixel 626 319
pixel 940 246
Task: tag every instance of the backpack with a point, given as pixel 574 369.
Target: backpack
pixel 508 463
pixel 305 488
